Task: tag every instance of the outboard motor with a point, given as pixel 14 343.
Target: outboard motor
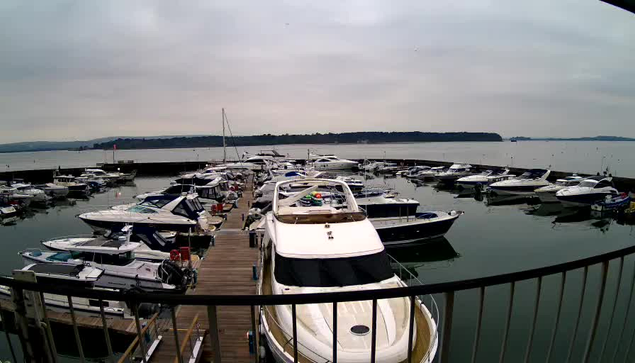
pixel 173 274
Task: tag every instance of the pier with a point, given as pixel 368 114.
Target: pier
pixel 226 270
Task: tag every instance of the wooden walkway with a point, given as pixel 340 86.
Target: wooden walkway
pixel 226 270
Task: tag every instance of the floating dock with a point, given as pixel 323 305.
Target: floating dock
pixel 226 270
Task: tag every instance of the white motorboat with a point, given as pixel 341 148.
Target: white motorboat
pixel 456 171
pixel 332 162
pixel 356 185
pixel 106 242
pixel 483 179
pixel 7 210
pixel 38 195
pixel 71 274
pixel 332 247
pixel 116 257
pixel 74 186
pixel 590 191
pixel 109 178
pixel 212 192
pixel 524 185
pixel 548 194
pixel 414 171
pixel 430 174
pixel 53 190
pixel 11 196
pixel 162 212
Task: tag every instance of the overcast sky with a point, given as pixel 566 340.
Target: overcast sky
pixel 73 70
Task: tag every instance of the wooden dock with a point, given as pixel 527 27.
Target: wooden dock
pixel 226 270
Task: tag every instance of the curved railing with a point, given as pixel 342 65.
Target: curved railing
pixel 448 289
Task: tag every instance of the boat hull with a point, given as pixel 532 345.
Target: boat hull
pixel 105 226
pixel 525 190
pixel 402 231
pixel 581 200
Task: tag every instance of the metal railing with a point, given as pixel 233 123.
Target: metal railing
pixel 595 345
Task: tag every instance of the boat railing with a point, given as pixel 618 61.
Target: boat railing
pixel 143 345
pixel 410 279
pixel 594 287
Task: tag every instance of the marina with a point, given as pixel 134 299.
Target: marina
pixel 227 267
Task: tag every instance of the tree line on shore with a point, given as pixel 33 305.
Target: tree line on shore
pixel 317 138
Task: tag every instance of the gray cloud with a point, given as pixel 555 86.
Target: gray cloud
pixel 76 70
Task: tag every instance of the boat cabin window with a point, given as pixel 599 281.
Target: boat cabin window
pixel 158 201
pixel 603 184
pixel 331 272
pixel 177 189
pixel 587 183
pixel 141 209
pixel 188 208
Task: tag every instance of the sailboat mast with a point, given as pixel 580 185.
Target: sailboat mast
pixel 224 144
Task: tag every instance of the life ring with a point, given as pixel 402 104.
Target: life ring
pixel 174 255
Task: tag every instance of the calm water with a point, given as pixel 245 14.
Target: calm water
pixel 571 156
pixel 487 240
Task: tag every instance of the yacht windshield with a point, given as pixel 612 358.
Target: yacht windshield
pixel 331 272
pixel 141 209
pixel 587 184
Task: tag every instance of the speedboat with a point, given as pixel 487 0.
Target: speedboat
pixel 12 196
pixel 162 212
pixel 524 185
pixel 38 195
pixel 332 247
pixel 548 194
pixel 53 190
pixel 455 172
pixel 483 179
pixel 356 185
pixel 106 242
pixel 430 174
pixel 121 269
pixel 588 192
pixel 71 274
pixel 75 187
pixel 412 172
pixel 332 162
pixel 109 178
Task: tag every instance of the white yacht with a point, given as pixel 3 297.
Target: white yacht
pixel 588 192
pixel 109 178
pixel 83 275
pixel 548 194
pixel 379 204
pixel 107 242
pixel 74 186
pixel 38 195
pixel 412 172
pixel 214 191
pixel 456 171
pixel 116 257
pixel 53 190
pixel 332 162
pixel 11 195
pixel 356 185
pixel 430 174
pixel 524 185
pixel 483 179
pixel 334 248
pixel 163 212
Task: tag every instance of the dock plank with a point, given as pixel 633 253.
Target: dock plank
pixel 226 270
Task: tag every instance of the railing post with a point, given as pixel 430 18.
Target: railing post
pixel 142 344
pixel 563 281
pixel 510 308
pixel 411 323
pixel 106 332
pixel 176 335
pixel 48 332
pixel 212 316
pixel 598 311
pixel 253 332
pixel 78 340
pixel 447 327
pixel 535 318
pixel 577 321
pixel 334 331
pixel 479 321
pixel 617 295
pixel 373 341
pixel 295 333
pixel 22 324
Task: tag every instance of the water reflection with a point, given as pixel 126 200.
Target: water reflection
pixel 493 200
pixel 429 254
